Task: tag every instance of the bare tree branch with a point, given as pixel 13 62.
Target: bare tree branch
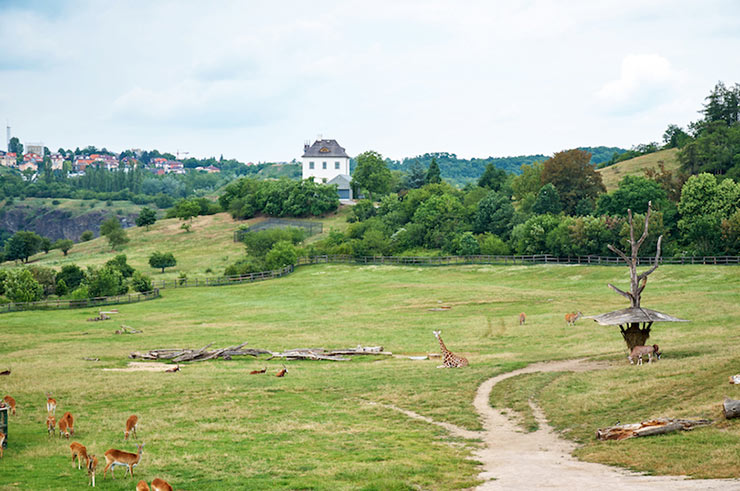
pixel 645 229
pixel 620 253
pixel 655 265
pixel 623 293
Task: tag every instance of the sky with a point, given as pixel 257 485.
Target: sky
pixel 255 80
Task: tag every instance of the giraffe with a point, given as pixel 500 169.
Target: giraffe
pixel 449 359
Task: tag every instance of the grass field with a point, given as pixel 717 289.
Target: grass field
pixel 214 426
pixel 636 167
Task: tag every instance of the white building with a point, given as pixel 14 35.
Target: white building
pixel 324 160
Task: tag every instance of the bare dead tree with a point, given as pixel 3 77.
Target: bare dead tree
pixel 635 335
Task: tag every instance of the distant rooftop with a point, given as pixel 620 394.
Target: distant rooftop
pixel 324 148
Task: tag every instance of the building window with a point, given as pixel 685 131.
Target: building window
pixel 336 165
pixel 310 165
pixel 323 165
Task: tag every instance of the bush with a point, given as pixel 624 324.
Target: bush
pixel 141 282
pixel 72 276
pixel 46 277
pixel 87 235
pixel 20 286
pixel 492 245
pixel 80 293
pixel 106 282
pixel 245 266
pixel 259 243
pixel 119 263
pixel 282 254
pixel 465 244
pixel 61 288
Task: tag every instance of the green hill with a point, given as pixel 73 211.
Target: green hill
pixel 613 174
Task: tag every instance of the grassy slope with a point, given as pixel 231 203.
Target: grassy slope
pixel 208 246
pixel 214 426
pixel 613 174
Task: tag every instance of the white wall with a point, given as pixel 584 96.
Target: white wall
pixel 318 173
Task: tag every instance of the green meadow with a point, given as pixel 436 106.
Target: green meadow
pixel 326 425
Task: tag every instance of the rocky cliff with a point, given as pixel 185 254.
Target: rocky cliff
pixel 56 224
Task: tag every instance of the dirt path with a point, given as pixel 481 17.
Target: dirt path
pixel 514 460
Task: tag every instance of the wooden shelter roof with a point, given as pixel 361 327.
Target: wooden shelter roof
pixel 632 314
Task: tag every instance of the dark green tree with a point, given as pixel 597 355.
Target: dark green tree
pixel 434 174
pixel 634 193
pixel 547 201
pixel 64 245
pixel 119 264
pixel 494 214
pixel 15 146
pixel 675 137
pixel 416 177
pixel 282 254
pixel 106 282
pixel 141 282
pixel 87 235
pixel 146 218
pixel 372 174
pixel 22 245
pixel 493 178
pixel 72 275
pixel 162 260
pixel 112 230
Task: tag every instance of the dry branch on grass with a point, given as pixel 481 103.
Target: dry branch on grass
pixel 649 428
pixel 181 355
pixel 127 330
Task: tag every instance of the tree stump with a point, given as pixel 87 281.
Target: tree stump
pixel 731 408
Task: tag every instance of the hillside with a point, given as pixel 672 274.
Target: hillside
pixel 205 251
pixel 613 174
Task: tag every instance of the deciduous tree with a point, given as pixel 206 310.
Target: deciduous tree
pixel 162 260
pixel 573 176
pixel 372 174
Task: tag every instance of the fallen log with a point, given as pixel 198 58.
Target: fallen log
pixel 731 408
pixel 127 330
pixel 658 426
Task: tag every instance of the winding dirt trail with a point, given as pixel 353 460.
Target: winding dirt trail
pixel 514 460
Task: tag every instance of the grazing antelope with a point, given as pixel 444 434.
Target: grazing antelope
pixel 51 404
pixel 282 372
pixel 2 441
pixel 142 486
pixel 161 485
pixel 522 319
pixel 639 351
pixel 10 402
pixel 80 452
pixel 255 372
pixel 131 423
pixel 63 428
pixel 115 458
pixel 92 464
pixel 449 359
pixel 51 424
pixel 67 417
pixel 572 317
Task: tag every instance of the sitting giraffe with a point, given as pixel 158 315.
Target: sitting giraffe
pixel 449 359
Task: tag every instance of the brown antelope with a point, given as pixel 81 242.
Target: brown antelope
pixel 63 428
pixel 639 351
pixel 161 485
pixel 522 318
pixel 51 404
pixel 572 317
pixel 255 372
pixel 80 452
pixel 51 424
pixel 282 372
pixel 172 370
pixel 131 423
pixel 92 464
pixel 2 441
pixel 115 458
pixel 11 403
pixel 142 486
pixel 67 417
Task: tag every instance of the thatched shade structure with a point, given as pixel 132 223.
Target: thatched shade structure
pixel 633 314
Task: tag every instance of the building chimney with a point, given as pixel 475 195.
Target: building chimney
pixel 305 146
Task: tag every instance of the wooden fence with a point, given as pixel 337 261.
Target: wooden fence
pixel 60 304
pixel 224 280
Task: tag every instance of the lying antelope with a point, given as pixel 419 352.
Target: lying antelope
pixel 11 403
pixel 51 424
pixel 255 372
pixel 70 423
pixel 92 464
pixel 80 452
pixel 131 423
pixel 282 372
pixel 522 319
pixel 572 317
pixel 639 351
pixel 172 370
pixel 115 458
pixel 51 404
pixel 2 442
pixel 161 485
pixel 142 486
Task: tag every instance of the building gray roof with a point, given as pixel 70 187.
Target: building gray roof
pixel 341 179
pixel 324 148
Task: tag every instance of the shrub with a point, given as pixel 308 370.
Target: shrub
pixel 492 245
pixel 105 282
pixel 20 286
pixel 282 254
pixel 87 235
pixel 141 282
pixel 72 276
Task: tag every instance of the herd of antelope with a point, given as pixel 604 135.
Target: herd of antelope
pixel 113 457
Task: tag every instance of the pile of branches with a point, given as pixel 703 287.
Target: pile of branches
pixel 181 355
pixel 649 428
pixel 331 355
